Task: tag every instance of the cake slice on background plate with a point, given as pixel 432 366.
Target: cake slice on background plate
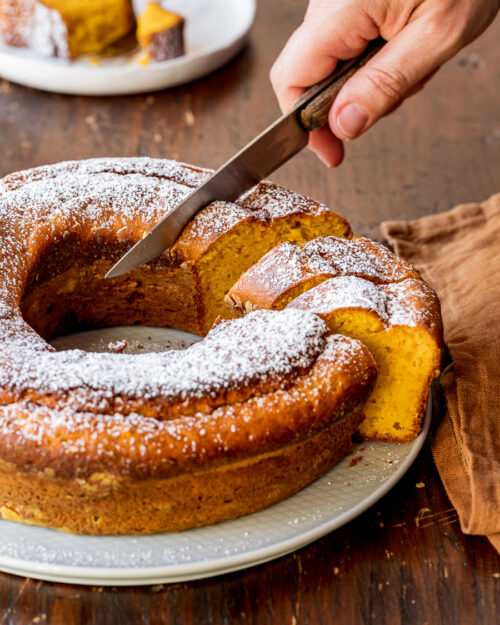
pixel 65 28
pixel 160 33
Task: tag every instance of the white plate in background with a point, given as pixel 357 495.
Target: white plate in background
pixel 339 496
pixel 215 31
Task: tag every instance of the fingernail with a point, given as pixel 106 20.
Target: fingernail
pixel 322 158
pixel 352 119
pixel 325 160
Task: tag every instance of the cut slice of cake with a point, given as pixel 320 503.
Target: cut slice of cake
pixel 160 33
pixel 400 324
pixel 362 290
pixel 65 28
pixel 289 270
pixel 224 240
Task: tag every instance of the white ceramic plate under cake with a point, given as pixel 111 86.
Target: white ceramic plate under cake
pixel 338 497
pixel 215 31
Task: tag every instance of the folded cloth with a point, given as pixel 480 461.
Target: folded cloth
pixel 458 253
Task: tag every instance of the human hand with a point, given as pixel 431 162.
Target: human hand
pixel 421 36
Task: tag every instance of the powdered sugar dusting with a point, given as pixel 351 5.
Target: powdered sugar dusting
pixel 146 445
pixel 235 354
pixel 165 169
pixel 35 25
pixel 276 271
pixel 287 266
pixel 405 303
pixel 343 292
pixel 48 33
pixel 361 257
pixel 272 202
pixel 216 219
pixel 412 303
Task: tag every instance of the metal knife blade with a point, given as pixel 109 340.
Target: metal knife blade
pixel 258 159
pixel 287 136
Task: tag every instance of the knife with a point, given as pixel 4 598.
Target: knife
pixel 287 136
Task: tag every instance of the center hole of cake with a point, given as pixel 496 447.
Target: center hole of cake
pixel 72 306
pixel 126 340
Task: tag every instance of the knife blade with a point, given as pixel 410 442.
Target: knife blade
pixel 273 147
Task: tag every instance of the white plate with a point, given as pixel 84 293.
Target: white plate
pixel 339 496
pixel 215 31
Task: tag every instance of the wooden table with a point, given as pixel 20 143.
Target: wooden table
pixel 405 560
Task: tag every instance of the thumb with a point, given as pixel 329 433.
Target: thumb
pixel 396 72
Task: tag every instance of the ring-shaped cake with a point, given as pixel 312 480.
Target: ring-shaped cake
pixel 114 443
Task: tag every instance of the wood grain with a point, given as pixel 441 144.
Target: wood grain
pixel 405 561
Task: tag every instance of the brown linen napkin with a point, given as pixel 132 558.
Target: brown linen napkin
pixel 458 253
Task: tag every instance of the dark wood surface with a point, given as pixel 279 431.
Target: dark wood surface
pixel 404 561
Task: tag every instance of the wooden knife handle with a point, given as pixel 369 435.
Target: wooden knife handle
pixel 314 114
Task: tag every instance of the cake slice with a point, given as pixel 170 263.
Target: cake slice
pixel 362 290
pixel 289 270
pixel 160 33
pixel 65 28
pixel 225 240
pixel 400 324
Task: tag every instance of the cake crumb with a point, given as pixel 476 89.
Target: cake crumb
pixel 355 461
pixel 119 347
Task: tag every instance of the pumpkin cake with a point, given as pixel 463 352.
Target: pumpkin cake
pixel 65 28
pixel 113 442
pixel 160 33
pixel 361 290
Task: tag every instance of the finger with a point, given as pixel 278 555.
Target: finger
pixel 327 146
pixel 376 89
pixel 336 32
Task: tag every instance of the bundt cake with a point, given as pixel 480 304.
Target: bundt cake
pixel 160 33
pixel 361 290
pixel 112 443
pixel 65 28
